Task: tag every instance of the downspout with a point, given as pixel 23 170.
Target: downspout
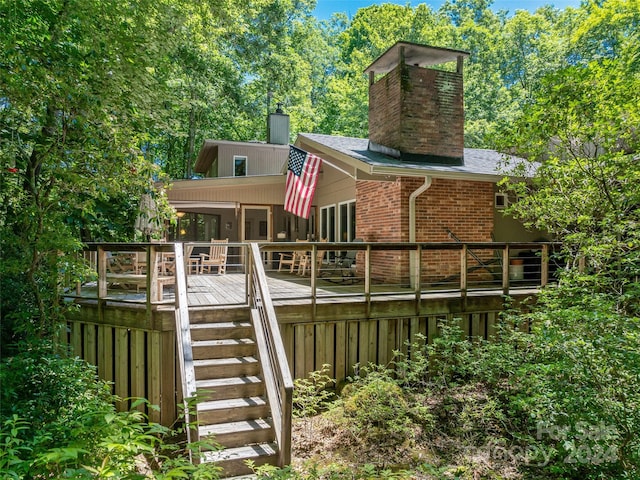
pixel 412 224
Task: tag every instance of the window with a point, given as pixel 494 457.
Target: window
pixel 328 223
pixel 239 166
pixel 328 227
pixel 502 201
pixel 347 221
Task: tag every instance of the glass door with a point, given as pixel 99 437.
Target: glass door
pixel 328 226
pixel 256 227
pixel 256 224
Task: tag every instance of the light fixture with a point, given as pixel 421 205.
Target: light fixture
pixel 180 214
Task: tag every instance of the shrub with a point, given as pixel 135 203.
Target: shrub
pixel 54 392
pixel 379 412
pixel 59 421
pixel 311 395
pixel 581 389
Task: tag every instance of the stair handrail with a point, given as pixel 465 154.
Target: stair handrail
pixel 183 340
pixel 275 369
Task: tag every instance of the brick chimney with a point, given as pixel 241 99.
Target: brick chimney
pixel 416 113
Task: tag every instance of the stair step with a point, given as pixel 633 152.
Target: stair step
pixel 230 387
pixel 226 367
pixel 232 410
pixel 236 434
pixel 221 330
pixel 232 459
pixel 199 315
pixel 237 347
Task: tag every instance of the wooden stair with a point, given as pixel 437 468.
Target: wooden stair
pixel 233 410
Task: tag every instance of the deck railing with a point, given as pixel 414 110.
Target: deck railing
pixel 379 269
pixel 183 343
pixel 273 358
pixel 416 268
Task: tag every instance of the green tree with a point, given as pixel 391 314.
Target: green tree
pixel 200 82
pixel 585 190
pixel 78 84
pixel 581 129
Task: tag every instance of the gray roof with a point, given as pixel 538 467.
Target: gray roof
pixel 477 161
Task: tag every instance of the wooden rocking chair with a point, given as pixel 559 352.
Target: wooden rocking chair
pixel 217 256
pixel 292 259
pixel 305 260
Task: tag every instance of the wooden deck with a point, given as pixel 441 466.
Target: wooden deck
pixel 289 289
pixel 323 318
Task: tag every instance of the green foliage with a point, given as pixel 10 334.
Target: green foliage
pixel 53 391
pixel 379 411
pixel 13 449
pixel 449 359
pixel 77 92
pixel 312 395
pixel 451 353
pixel 328 471
pixel 59 421
pixel 577 381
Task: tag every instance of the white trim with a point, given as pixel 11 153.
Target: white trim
pixel 501 200
pixel 246 165
pixel 187 204
pixel 350 235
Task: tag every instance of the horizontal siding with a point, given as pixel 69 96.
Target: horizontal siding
pixel 262 159
pixel 262 194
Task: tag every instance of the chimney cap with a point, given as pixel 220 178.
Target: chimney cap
pixel 414 54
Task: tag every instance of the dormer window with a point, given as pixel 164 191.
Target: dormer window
pixel 239 166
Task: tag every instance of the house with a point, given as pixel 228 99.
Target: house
pixel 411 180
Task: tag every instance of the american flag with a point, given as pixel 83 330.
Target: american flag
pixel 302 177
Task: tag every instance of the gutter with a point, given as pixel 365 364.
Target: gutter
pixel 413 260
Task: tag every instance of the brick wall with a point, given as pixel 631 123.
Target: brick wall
pixel 382 215
pixel 418 110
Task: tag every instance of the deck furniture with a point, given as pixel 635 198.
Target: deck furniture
pixel 292 259
pixel 140 280
pixel 192 260
pixel 305 260
pixel 217 256
pixel 345 265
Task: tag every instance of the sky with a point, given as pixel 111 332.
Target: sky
pixel 325 8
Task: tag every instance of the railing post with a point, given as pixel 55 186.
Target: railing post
pixel 463 270
pixel 505 270
pixel 367 275
pixel 312 258
pixel 152 274
pixel 102 272
pixel 544 266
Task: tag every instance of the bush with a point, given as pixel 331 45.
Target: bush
pixel 53 391
pixel 59 421
pixel 311 395
pixel 379 411
pixel 579 390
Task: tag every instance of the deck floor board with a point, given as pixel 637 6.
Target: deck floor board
pixel 286 289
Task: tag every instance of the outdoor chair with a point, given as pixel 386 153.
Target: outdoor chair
pixel 217 256
pixel 344 267
pixel 292 259
pixel 192 261
pixel 305 260
pixel 122 262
